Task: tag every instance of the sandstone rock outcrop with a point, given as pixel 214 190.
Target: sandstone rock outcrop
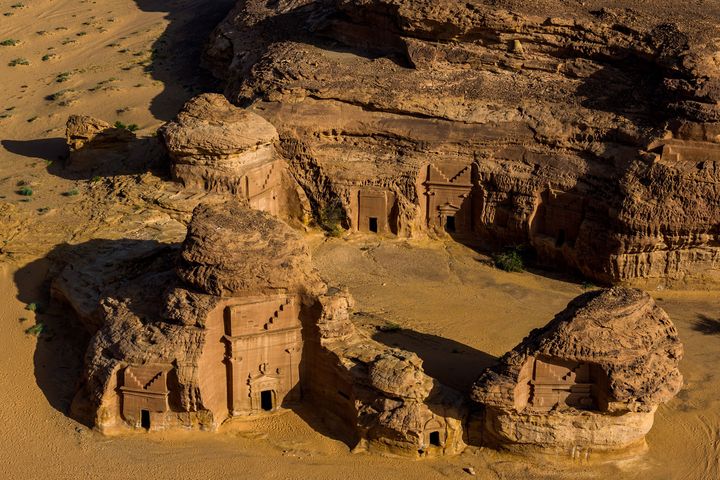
pixel 234 323
pixel 234 251
pixel 217 147
pixel 378 395
pixel 590 380
pixel 93 142
pixel 500 122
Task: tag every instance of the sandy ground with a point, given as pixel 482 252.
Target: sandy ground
pixel 456 312
pixel 136 62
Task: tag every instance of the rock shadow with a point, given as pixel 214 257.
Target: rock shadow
pixel 452 363
pixel 63 338
pixel 177 53
pixel 707 325
pixel 133 157
pixel 49 149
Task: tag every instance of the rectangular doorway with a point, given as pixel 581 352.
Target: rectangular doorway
pixel 450 224
pixel 145 419
pixel 435 439
pixel 373 224
pixel 266 400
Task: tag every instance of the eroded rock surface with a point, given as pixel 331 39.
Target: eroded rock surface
pixel 502 122
pixel 590 380
pixel 379 395
pixel 234 251
pixel 217 147
pixel 236 322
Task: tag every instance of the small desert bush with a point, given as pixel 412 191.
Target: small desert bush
pixel 36 329
pixel 9 42
pixel 25 191
pixel 62 77
pixel 71 193
pixel 132 127
pixel 330 218
pixel 32 307
pixel 511 260
pixel 18 61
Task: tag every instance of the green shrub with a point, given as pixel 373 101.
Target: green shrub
pixel 510 260
pixel 36 329
pixel 9 42
pixel 32 307
pixel 331 217
pixel 62 77
pixel 18 61
pixel 132 127
pixel 71 193
pixel 25 191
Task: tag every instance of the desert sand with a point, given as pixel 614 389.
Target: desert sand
pixel 446 299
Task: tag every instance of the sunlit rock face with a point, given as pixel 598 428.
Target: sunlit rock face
pixel 586 132
pixel 217 147
pixel 590 380
pixel 236 322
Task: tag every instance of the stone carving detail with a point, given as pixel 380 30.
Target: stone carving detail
pixel 590 379
pixel 217 147
pixel 264 347
pixel 145 395
pixel 372 211
pixel 446 197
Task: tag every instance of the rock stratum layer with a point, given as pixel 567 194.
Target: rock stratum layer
pixel 591 379
pixel 588 132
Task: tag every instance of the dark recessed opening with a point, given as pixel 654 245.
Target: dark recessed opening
pixel 266 400
pixel 373 224
pixel 435 438
pixel 450 224
pixel 145 419
pixel 560 238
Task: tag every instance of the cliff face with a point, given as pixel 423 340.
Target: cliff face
pixel 585 131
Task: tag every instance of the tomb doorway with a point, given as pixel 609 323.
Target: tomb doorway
pixel 266 400
pixel 373 224
pixel 450 224
pixel 145 419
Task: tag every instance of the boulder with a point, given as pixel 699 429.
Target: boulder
pixel 217 147
pixel 590 380
pixel 94 143
pixel 232 250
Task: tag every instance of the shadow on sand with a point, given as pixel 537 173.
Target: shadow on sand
pixel 178 51
pixel 451 363
pixel 49 149
pixel 707 325
pixel 62 339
